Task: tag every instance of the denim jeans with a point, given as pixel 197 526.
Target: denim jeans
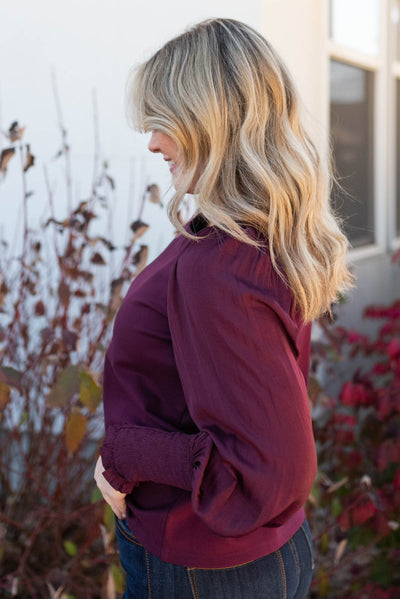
pixel 284 574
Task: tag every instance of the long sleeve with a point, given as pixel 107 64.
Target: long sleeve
pixel 237 350
pixel 241 357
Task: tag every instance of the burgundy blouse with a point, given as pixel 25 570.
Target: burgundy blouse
pixel 207 417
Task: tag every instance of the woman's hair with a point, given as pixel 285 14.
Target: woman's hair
pixel 225 97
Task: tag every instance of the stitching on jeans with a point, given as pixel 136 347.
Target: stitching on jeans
pixel 127 536
pixel 309 546
pixel 193 584
pixel 283 575
pixel 148 572
pixel 295 556
pixel 230 567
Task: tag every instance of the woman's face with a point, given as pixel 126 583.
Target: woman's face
pixel 164 144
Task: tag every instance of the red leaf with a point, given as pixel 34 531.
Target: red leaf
pixel 354 459
pixel 380 523
pixel 384 406
pixel 355 337
pixel 363 511
pixel 396 482
pixel 393 349
pixel 353 394
pixel 344 520
pixel 381 368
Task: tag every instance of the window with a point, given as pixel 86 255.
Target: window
pixel 354 51
pixel 346 29
pixel 351 119
pixel 395 24
pixel 398 159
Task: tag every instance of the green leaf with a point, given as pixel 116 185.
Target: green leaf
pixel 75 429
pixel 336 507
pixel 90 393
pixel 70 548
pixel 96 495
pixel 324 543
pixel 315 493
pixel 67 385
pixel 23 418
pixel 119 578
pixel 109 518
pixel 323 582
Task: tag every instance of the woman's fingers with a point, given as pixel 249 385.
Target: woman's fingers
pixel 114 498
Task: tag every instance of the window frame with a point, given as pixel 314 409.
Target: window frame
pixel 385 71
pixel 394 159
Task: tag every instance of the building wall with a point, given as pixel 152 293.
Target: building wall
pixel 299 30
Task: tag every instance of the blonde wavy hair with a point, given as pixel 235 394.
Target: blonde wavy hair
pixel 226 98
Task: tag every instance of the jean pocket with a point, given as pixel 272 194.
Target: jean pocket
pixel 123 528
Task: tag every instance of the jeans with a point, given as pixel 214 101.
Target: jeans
pixel 284 574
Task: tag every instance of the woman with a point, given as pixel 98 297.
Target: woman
pixel 209 455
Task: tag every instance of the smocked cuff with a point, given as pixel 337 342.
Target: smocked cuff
pixel 110 473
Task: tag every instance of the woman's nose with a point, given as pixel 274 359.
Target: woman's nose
pixel 154 145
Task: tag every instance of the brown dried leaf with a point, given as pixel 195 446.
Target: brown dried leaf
pixel 116 288
pixel 154 194
pixel 111 181
pixel 314 389
pixel 139 228
pixel 29 159
pixel 140 258
pixel 64 293
pixel 47 334
pixel 3 293
pixel 75 429
pixel 5 158
pixel 109 245
pixel 5 395
pixel 333 488
pixel 40 308
pixel 70 339
pixel 15 133
pixel 340 551
pixel 98 259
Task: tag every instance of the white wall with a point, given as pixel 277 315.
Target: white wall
pixel 90 44
pixel 297 29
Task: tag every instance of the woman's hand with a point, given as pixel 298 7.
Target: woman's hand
pixel 114 498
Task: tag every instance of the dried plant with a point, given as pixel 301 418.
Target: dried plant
pixel 57 308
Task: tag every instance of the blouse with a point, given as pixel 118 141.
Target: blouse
pixel 207 417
